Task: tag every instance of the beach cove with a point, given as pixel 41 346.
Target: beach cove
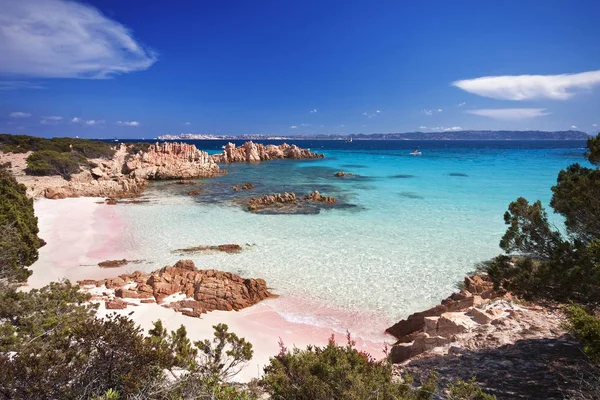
pixel 410 229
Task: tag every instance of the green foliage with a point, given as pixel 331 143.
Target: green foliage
pixel 586 327
pixel 551 265
pixel 53 346
pixel 225 355
pixel 576 196
pixel 87 148
pixel 467 391
pixel 529 231
pixel 593 152
pixel 19 242
pixel 336 372
pixel 49 162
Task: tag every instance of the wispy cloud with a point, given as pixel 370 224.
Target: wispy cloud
pixel 342 126
pixel 594 125
pixel 461 104
pixel 19 114
pixel 293 127
pixel 187 123
pixel 16 85
pixel 304 124
pixel 76 120
pixel 428 112
pixel 573 126
pixel 66 39
pixel 510 113
pixel 51 120
pixel 432 111
pixel 439 110
pixel 128 123
pixel 371 115
pixel 94 122
pixel 528 87
pixel 313 111
pixel 441 128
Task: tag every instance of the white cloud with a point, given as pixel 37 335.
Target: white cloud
pixel 510 113
pixel 441 128
pixel 527 87
pixel 573 126
pixel 439 110
pixel 65 39
pixel 76 119
pixel 94 122
pixel 15 85
pixel 51 120
pixel 293 127
pixel 187 123
pixel 19 114
pixel 128 123
pixel 378 111
pixel 428 112
pixel 461 104
pixel 304 124
pixel 342 125
pixel 594 125
pixel 314 110
pixel 365 114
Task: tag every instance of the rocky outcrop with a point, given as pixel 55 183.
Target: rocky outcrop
pixel 225 248
pixel 476 289
pixel 316 196
pixel 254 152
pixel 341 174
pixel 475 318
pixel 171 161
pixel 204 290
pixel 245 186
pixel 274 200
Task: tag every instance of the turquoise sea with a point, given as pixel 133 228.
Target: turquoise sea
pixel 407 230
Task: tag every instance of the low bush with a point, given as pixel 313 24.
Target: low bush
pixel 49 162
pixel 24 143
pixel 586 327
pixel 468 390
pixel 336 372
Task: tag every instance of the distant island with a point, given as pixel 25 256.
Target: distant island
pixel 457 135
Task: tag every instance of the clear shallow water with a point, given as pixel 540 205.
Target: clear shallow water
pixel 413 228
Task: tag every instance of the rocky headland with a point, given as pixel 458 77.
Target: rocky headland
pixel 181 287
pixel 254 152
pixel 127 173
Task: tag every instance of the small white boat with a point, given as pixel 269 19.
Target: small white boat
pixel 415 153
pixel 349 140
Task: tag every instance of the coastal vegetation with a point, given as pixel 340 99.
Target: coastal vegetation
pixel 19 242
pixel 549 264
pixel 85 147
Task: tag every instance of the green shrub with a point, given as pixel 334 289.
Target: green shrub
pixel 49 162
pixel 336 372
pixel 552 265
pixel 88 148
pixel 19 242
pixel 467 391
pixel 586 327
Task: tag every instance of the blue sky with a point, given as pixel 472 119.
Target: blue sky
pixel 114 68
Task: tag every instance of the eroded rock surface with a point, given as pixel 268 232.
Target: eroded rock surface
pixel 225 248
pixel 254 152
pixel 203 290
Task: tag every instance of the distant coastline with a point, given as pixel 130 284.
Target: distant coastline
pixel 458 135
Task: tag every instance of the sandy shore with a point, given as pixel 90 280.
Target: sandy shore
pixel 80 233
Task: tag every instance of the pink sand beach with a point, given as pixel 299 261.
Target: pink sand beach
pixel 80 233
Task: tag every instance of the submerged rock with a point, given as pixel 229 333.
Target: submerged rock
pixel 225 248
pixel 341 174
